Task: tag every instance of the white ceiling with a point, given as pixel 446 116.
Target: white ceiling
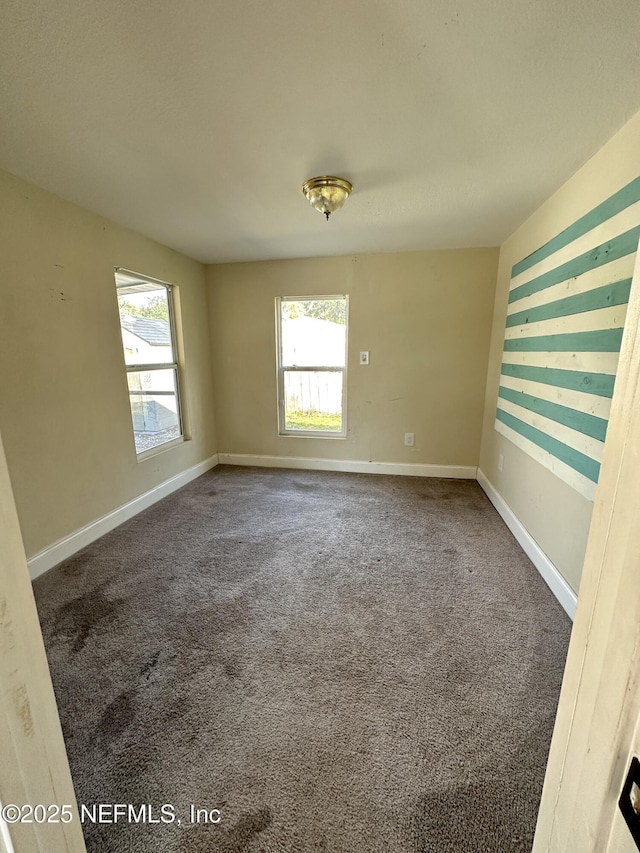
pixel 196 122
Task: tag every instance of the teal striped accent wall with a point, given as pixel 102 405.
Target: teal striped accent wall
pixel 614 204
pixel 565 318
pixel 601 297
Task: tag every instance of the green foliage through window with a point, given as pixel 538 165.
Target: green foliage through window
pixel 332 310
pixel 155 307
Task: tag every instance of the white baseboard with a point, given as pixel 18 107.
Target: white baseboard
pixel 552 577
pixel 407 469
pixel 68 546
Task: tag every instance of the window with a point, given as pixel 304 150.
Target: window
pixel 312 359
pixel 148 339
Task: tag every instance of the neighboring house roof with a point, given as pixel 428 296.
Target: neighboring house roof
pixel 154 332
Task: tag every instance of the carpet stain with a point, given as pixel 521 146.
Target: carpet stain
pixel 82 615
pixel 214 620
pixel 305 487
pixel 74 565
pixel 460 819
pixel 248 825
pixel 150 665
pixel 235 839
pixel 232 668
pixel 117 717
pixel 462 672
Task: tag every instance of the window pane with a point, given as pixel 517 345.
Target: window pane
pixel 313 400
pixel 144 322
pixel 313 332
pixel 154 407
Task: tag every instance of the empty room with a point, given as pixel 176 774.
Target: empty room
pixel 319 370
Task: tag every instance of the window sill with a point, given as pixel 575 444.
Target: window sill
pixel 161 448
pixel 309 434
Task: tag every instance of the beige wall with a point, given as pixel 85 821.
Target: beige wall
pixel 64 411
pixel 555 515
pixel 425 319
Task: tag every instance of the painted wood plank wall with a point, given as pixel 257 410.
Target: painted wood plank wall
pixel 565 318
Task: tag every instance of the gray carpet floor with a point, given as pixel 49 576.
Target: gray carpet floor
pixel 336 662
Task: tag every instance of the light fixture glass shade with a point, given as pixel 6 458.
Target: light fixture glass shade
pixel 327 193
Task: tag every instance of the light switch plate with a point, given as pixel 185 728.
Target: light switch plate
pixel 364 358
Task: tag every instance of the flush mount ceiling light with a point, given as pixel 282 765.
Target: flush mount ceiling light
pixel 327 193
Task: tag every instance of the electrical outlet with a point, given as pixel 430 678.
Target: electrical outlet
pixel 364 358
pixel 408 439
pixel 500 462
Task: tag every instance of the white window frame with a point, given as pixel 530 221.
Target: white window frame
pixel 281 369
pixel 144 368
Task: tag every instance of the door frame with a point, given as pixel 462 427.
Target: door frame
pixel 599 701
pixel 34 767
